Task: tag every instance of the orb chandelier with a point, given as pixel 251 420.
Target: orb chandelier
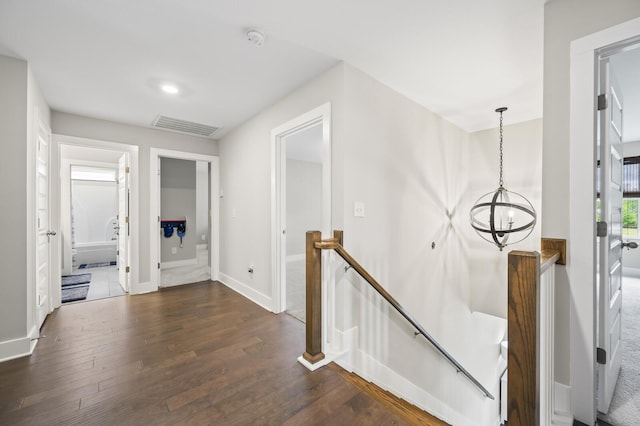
pixel 502 217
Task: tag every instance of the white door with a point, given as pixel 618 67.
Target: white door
pixel 610 246
pixel 43 230
pixel 123 222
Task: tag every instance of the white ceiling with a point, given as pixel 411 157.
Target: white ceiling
pixel 459 58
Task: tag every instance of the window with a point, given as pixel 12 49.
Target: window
pixel 630 217
pixel 631 196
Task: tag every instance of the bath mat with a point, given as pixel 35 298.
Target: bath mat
pixel 68 280
pixel 96 265
pixel 74 294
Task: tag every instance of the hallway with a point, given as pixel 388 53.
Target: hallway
pixel 194 354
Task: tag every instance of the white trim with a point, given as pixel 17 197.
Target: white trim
pixel 18 348
pixel 628 271
pixel 246 291
pixel 296 257
pixel 562 405
pixel 344 358
pixel 374 371
pixel 581 264
pixel 321 114
pixel 546 345
pixel 313 367
pixel 178 263
pixel 154 210
pixel 134 203
pixel 145 287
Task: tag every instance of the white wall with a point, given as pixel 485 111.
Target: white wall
pixel 177 201
pixel 21 100
pixel 144 138
pixel 304 203
pixel 95 207
pixel 409 167
pixel 565 21
pixel 522 174
pixel 202 202
pixel 13 178
pixel 245 177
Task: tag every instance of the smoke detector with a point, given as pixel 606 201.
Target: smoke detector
pixel 255 37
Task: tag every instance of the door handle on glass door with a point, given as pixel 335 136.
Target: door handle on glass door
pixel 630 245
pixel 51 233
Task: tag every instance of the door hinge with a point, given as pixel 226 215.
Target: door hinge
pixel 601 356
pixel 126 169
pixel 158 218
pixel 602 102
pixel 601 229
pixel 158 265
pixel 126 219
pixel 127 269
pixel 117 252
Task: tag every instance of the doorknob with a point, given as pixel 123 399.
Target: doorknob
pixel 630 245
pixel 51 233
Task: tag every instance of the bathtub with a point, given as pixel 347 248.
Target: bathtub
pixel 94 252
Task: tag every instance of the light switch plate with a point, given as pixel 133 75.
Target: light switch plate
pixel 358 209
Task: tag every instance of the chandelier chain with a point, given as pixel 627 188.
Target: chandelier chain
pixel 501 181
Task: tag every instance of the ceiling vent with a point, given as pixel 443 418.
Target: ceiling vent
pixel 182 126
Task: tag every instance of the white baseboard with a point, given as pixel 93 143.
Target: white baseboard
pixel 630 272
pixel 390 380
pixel 347 341
pixel 16 348
pixel 141 288
pixel 247 291
pixel 313 367
pixel 178 263
pixel 562 405
pixel 335 353
pixel 296 257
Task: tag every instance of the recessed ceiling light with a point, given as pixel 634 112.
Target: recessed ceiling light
pixel 169 88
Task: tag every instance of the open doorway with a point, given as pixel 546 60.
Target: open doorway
pixel 95 225
pixel 184 210
pixel 184 221
pixel 301 202
pixel 302 193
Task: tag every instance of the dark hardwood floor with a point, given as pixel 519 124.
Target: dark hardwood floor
pixel 195 354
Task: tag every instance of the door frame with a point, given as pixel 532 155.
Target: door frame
pixel 321 114
pixel 39 128
pixel 132 150
pixel 584 53
pixel 154 210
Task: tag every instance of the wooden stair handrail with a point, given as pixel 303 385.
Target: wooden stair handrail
pixel 524 271
pixel 315 341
